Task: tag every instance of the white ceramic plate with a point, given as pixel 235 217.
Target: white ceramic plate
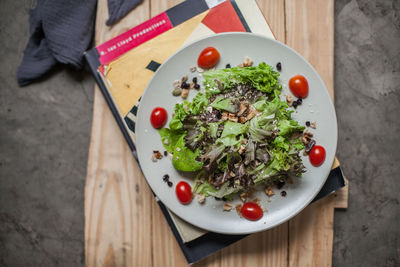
pixel 233 47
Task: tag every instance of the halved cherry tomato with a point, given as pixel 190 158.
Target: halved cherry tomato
pixel 317 155
pixel 208 58
pixel 252 211
pixel 158 117
pixel 299 86
pixel 184 192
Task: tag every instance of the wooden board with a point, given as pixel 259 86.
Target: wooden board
pixel 124 225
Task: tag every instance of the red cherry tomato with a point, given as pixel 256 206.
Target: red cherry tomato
pixel 184 192
pixel 317 155
pixel 158 117
pixel 208 58
pixel 299 86
pixel 252 211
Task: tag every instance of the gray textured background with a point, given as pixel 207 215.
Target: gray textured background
pixel 45 127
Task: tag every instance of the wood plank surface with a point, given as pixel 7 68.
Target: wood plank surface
pixel 310 31
pixel 117 198
pixel 124 225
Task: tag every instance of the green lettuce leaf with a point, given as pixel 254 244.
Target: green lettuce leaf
pixel 199 104
pixel 297 144
pixel 221 103
pixel 204 188
pixel 262 77
pixel 234 128
pixel 170 138
pixel 229 140
pixel 281 142
pixel 275 106
pixel 213 129
pixel 184 159
pixel 225 191
pixel 230 133
pixel 288 127
pixel 179 114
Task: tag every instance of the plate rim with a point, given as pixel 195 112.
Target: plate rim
pixel 325 90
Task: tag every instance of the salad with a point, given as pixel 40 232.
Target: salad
pixel 237 134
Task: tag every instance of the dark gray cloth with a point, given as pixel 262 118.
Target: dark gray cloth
pixel 61 31
pixel 117 9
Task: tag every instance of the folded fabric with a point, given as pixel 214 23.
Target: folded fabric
pixel 61 31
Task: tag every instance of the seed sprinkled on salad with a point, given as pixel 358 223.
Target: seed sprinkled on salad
pixel 166 178
pixel 193 68
pixel 280 184
pixel 279 66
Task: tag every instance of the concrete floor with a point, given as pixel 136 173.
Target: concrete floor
pixel 45 127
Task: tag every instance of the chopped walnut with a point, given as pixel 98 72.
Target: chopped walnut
pixel 157 154
pixel 185 93
pixel 224 116
pixel 201 198
pixel 257 200
pixel 231 174
pixel 232 117
pixel 243 197
pixel 238 208
pixel 304 140
pixel 242 149
pixel 192 84
pixel 313 125
pixel 243 108
pixel 289 100
pixel 269 191
pixel 306 137
pixel 246 63
pixel 251 114
pixel 227 207
pixel 308 134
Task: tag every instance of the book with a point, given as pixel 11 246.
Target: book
pixel 124 65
